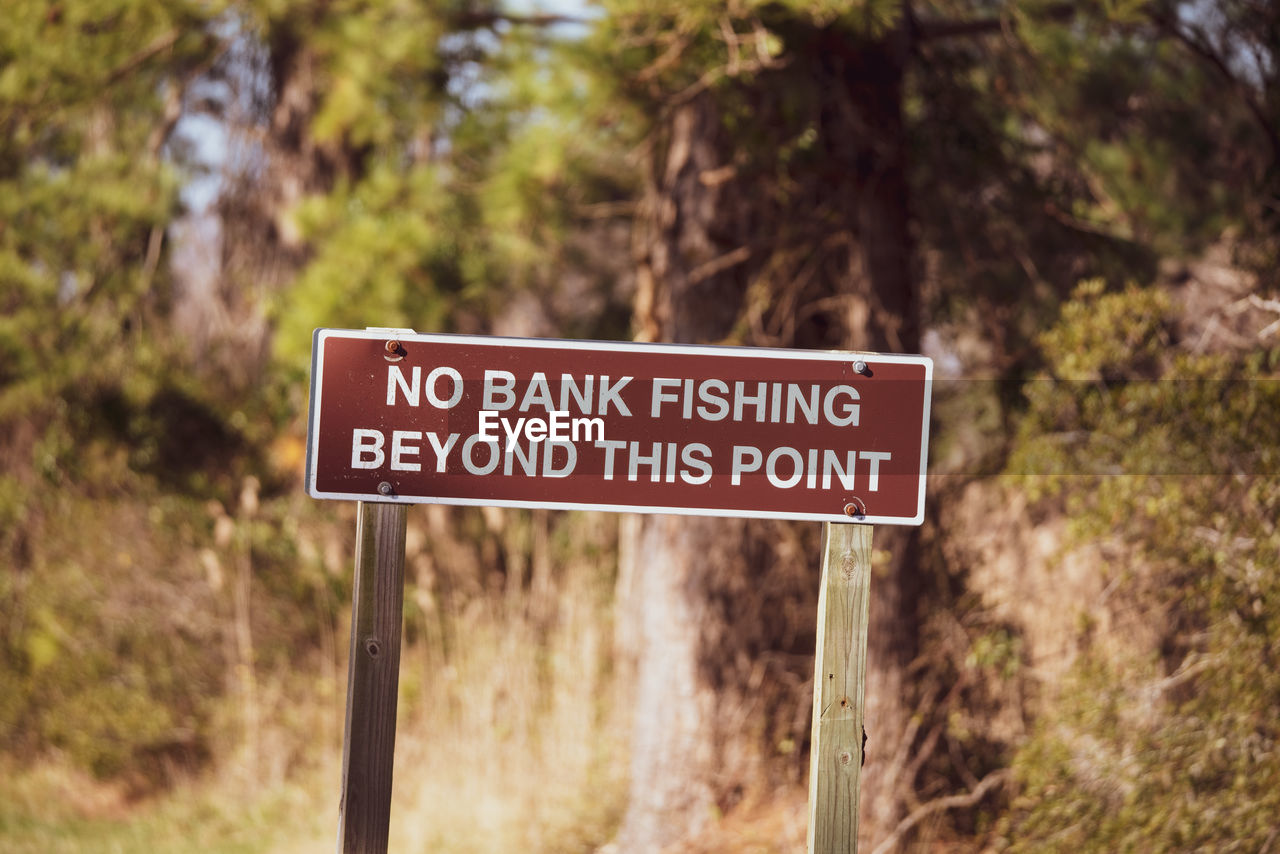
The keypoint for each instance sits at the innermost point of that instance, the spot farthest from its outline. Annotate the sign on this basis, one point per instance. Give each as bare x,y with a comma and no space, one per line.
721,431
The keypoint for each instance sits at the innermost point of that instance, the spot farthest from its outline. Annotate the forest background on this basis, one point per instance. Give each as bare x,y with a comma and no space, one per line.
1074,208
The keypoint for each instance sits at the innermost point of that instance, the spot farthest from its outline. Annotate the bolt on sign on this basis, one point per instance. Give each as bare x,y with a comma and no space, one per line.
722,431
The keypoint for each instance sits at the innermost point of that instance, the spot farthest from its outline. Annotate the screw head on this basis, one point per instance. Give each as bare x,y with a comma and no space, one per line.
385,488
860,367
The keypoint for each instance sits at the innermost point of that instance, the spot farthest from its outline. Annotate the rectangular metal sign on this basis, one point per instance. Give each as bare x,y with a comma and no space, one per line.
650,428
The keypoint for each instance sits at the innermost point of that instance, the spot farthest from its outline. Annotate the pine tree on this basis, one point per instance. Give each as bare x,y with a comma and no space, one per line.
376,171
839,174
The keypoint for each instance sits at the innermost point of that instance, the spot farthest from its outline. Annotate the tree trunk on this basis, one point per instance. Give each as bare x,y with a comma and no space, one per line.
720,613
880,209
241,253
673,763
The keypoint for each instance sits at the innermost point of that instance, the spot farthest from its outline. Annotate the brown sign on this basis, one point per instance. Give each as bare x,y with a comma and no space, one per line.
722,431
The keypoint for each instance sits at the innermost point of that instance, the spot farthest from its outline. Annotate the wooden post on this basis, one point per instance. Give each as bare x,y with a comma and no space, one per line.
839,686
373,676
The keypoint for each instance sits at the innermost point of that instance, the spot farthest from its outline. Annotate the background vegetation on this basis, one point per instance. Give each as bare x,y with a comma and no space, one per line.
1074,208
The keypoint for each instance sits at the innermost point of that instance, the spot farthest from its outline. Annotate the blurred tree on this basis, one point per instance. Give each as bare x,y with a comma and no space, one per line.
1172,747
831,175
810,172
401,165
90,400
382,163
88,95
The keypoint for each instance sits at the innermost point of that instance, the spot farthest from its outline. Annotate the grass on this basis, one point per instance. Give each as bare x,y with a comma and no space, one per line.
55,810
511,736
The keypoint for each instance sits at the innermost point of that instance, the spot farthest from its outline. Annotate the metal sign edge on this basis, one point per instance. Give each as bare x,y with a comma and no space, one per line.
924,437
313,413
621,508
632,346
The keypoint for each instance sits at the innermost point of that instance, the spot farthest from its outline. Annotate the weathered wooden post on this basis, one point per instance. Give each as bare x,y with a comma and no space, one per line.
373,678
839,686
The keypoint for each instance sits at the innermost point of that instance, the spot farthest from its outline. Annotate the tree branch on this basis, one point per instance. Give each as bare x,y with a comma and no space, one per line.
1207,54
925,31
969,799
489,20
176,95
158,45
934,30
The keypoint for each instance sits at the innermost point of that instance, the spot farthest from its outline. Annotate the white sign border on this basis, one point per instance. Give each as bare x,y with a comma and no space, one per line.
313,417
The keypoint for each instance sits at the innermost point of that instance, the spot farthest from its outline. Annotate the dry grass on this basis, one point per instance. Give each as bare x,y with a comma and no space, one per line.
510,737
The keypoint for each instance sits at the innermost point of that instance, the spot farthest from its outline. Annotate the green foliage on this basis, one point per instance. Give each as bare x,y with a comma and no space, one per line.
999,650
54,810
84,196
442,167
656,49
389,240
473,153
87,669
1176,459
1157,116
92,401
